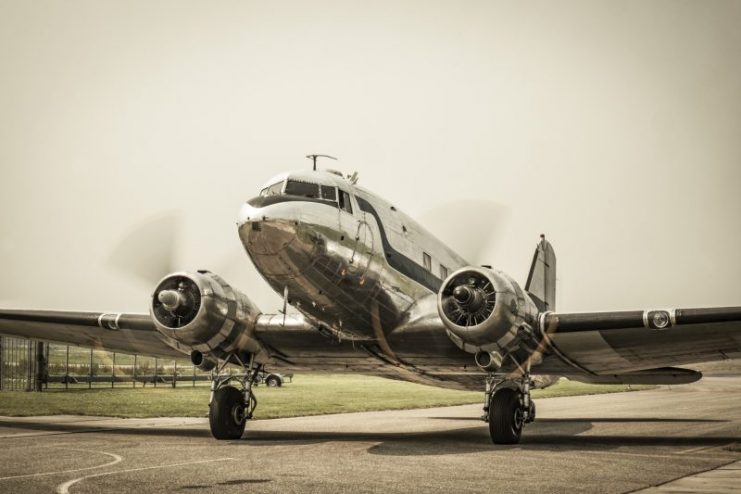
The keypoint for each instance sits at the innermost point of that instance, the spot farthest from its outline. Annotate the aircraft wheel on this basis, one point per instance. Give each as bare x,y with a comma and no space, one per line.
273,381
226,414
505,417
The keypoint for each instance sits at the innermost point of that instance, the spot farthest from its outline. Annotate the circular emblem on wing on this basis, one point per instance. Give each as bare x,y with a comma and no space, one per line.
659,319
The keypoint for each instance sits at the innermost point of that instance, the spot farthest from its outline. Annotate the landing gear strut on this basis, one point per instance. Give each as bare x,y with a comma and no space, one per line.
508,407
230,407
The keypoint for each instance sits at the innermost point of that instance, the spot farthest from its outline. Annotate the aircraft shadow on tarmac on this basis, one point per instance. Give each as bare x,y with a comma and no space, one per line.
596,419
72,428
562,434
545,434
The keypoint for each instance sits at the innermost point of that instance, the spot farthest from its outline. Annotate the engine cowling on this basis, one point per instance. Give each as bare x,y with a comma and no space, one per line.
201,311
483,309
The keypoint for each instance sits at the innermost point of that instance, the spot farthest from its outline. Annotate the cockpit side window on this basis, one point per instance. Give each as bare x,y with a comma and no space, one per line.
329,193
273,190
303,189
345,202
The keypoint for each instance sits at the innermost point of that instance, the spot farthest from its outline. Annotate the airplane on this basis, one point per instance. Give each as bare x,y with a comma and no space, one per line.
375,293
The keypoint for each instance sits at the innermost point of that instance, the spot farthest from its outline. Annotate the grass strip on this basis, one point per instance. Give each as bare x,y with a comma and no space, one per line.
309,394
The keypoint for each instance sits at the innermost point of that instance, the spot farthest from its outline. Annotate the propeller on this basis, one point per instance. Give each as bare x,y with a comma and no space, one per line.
147,252
177,301
471,227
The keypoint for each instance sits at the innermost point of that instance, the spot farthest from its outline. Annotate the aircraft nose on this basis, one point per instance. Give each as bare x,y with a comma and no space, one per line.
267,230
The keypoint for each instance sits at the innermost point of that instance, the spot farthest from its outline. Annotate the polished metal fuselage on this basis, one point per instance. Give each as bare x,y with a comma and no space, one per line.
358,277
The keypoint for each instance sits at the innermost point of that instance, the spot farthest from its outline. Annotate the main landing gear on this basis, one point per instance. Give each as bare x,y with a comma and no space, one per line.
507,408
230,407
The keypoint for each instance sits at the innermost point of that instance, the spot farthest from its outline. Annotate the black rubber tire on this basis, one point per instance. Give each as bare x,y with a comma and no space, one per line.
504,425
273,381
222,411
531,418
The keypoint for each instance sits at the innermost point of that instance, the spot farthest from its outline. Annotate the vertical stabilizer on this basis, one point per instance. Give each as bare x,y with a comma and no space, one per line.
541,282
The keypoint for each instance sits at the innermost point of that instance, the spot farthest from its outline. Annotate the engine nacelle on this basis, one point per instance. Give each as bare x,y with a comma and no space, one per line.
201,311
484,310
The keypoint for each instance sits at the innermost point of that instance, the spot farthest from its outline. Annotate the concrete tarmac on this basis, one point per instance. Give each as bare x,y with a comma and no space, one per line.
604,443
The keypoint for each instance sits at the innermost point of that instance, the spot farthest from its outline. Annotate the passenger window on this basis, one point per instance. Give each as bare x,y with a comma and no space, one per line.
443,272
303,189
329,193
345,201
427,260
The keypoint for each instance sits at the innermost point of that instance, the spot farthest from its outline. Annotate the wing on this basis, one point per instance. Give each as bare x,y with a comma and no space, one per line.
292,342
624,342
131,333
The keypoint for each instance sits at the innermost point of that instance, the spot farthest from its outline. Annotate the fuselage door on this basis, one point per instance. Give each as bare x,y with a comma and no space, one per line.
357,235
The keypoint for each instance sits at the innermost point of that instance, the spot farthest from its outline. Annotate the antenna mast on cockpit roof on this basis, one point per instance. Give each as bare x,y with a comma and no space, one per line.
315,156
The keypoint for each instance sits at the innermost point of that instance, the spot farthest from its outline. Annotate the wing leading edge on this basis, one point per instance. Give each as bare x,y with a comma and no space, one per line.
132,333
629,341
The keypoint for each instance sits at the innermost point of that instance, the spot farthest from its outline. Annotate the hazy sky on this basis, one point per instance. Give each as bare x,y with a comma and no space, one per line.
612,127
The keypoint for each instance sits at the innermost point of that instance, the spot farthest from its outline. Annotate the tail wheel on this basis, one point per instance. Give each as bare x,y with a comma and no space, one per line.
227,413
505,417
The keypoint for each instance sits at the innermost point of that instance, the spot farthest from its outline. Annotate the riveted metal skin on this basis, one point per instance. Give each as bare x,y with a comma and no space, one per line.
363,280
224,322
512,310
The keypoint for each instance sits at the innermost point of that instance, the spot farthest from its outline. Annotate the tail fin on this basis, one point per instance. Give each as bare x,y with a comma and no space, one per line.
541,282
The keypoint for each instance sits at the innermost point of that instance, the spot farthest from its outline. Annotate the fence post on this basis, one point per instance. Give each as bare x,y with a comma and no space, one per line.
174,373
47,346
42,367
2,363
66,370
133,374
156,361
30,365
17,368
113,370
90,377
194,375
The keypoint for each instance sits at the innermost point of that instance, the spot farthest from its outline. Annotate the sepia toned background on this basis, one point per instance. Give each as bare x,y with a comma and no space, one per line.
129,130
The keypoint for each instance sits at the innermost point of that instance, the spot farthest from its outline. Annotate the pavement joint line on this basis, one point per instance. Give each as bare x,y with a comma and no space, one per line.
36,418
644,455
116,459
691,474
54,433
704,448
64,487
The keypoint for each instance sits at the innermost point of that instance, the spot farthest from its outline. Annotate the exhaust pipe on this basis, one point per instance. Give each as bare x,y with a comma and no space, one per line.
203,362
488,361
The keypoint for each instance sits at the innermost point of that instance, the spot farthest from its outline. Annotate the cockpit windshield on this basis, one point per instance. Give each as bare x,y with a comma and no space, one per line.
311,190
273,190
301,189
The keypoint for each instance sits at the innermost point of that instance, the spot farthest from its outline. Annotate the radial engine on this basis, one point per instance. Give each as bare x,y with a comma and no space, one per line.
206,316
486,313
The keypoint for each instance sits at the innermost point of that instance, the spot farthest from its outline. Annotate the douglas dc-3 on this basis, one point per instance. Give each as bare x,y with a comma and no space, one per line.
375,293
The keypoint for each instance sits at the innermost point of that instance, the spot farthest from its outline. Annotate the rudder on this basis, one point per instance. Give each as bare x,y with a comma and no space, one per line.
541,281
